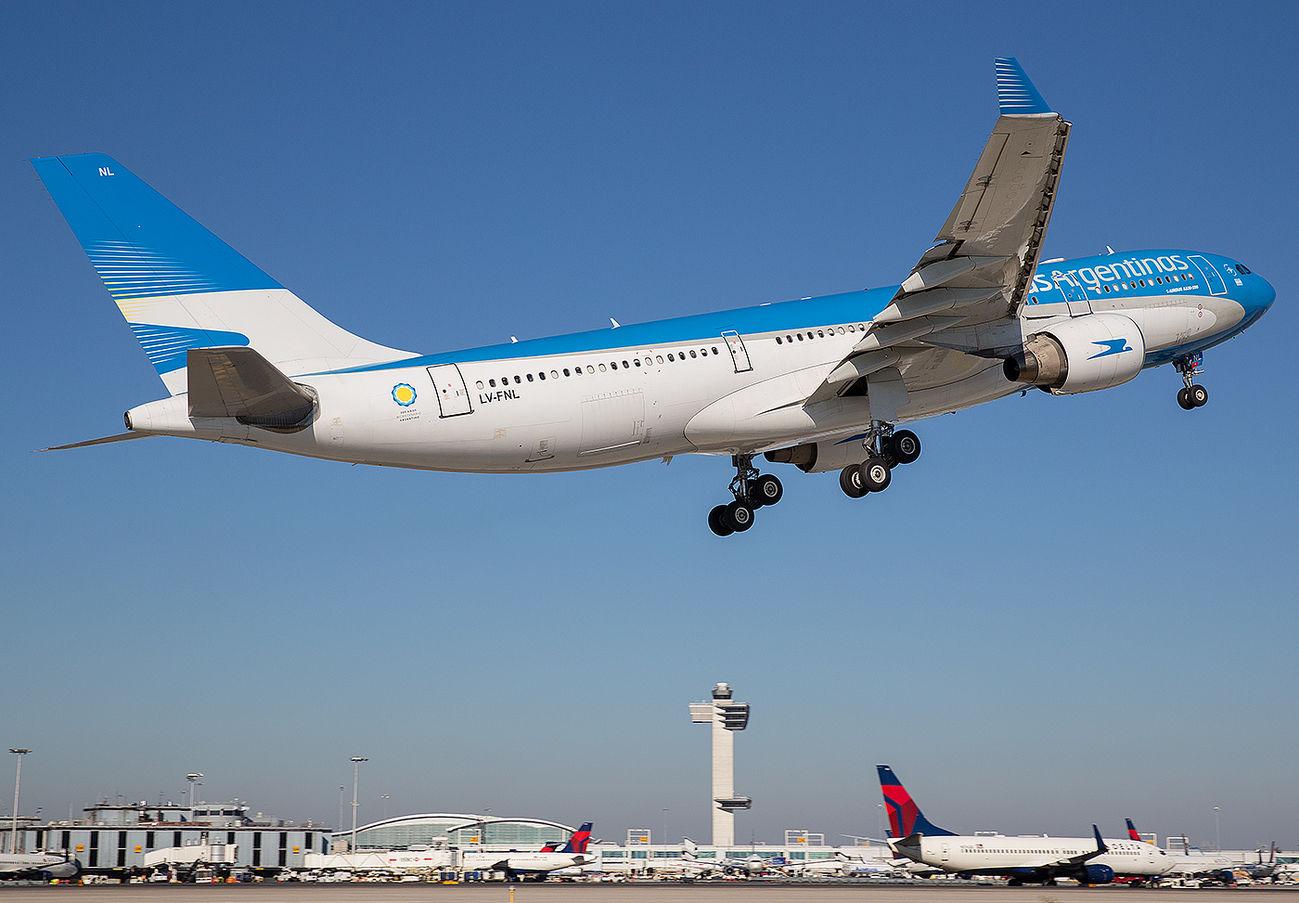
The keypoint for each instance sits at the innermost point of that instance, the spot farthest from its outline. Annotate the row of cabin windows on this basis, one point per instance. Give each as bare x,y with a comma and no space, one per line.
819,333
627,364
1138,283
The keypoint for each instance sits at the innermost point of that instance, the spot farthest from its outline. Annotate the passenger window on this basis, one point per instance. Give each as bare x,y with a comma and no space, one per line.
602,368
778,340
820,333
714,349
480,383
516,379
840,330
566,371
800,336
636,361
660,358
671,358
626,366
542,375
554,374
850,329
790,339
529,377
492,383
613,364
590,368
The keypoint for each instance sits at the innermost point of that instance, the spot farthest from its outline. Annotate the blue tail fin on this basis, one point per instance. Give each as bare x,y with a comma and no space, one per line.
905,817
181,287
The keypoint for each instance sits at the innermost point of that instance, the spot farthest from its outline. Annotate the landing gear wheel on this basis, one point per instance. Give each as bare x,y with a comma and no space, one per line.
875,474
905,446
718,523
1198,396
850,482
766,490
739,516
1182,401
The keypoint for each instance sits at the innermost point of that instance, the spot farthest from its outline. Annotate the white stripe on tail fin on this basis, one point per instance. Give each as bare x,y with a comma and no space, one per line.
180,287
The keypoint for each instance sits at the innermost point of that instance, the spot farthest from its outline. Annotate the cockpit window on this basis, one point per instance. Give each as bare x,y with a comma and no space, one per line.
1243,270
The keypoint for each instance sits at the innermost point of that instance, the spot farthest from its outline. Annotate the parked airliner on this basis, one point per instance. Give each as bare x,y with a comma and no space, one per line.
538,863
819,383
1088,860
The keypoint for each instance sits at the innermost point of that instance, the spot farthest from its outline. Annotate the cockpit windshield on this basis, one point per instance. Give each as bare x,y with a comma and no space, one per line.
1242,269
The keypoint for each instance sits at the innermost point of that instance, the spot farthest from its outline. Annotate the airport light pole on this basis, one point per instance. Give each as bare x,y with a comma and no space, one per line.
342,789
1217,826
356,783
19,752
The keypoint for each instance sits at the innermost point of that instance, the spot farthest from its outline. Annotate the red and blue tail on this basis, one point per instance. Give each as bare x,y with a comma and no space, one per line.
580,840
1132,830
905,817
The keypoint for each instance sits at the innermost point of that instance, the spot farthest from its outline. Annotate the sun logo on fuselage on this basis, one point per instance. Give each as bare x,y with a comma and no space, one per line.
403,394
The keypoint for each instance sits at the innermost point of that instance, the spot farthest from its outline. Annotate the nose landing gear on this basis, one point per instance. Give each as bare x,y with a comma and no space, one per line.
752,490
886,449
1191,395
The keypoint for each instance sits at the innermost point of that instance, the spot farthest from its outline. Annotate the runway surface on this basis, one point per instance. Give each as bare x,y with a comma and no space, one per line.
636,893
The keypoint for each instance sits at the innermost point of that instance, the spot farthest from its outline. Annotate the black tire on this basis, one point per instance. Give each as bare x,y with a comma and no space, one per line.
905,446
1198,396
1182,401
850,482
767,490
739,516
718,523
875,474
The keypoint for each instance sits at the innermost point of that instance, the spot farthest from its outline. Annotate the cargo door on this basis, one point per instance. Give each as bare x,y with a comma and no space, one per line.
449,387
612,420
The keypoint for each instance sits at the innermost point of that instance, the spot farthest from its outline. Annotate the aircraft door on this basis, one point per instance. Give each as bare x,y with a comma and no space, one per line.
1212,278
739,354
944,851
449,387
1075,293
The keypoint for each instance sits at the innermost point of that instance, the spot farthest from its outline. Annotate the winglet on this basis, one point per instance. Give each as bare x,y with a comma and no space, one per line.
1101,848
1016,94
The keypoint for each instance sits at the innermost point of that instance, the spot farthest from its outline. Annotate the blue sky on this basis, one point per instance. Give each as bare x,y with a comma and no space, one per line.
1071,610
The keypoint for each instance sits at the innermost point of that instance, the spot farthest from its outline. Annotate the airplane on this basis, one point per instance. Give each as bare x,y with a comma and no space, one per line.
1038,859
818,383
838,865
38,866
537,864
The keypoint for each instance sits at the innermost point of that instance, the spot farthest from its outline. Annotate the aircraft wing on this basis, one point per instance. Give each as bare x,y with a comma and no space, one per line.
1101,850
981,267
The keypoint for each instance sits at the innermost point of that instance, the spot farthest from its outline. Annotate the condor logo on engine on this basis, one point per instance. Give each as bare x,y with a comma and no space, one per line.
1111,346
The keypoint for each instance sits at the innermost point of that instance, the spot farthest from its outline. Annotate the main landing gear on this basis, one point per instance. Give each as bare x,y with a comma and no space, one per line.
752,490
886,449
1191,395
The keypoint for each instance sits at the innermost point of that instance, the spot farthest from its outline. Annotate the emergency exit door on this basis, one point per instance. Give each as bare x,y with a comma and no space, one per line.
739,354
449,386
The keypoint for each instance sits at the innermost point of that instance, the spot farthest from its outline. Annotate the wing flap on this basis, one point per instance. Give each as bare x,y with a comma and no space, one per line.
104,440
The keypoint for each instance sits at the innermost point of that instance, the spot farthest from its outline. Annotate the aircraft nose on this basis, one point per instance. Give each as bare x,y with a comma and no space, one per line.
1266,294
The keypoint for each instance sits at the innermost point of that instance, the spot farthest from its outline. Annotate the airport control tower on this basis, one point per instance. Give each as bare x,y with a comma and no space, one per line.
725,716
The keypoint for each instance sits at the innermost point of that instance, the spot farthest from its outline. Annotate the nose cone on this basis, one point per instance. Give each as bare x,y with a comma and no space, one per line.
1261,296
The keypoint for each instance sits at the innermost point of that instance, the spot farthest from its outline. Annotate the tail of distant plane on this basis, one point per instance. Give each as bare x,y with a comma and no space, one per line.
579,841
905,817
179,286
1132,830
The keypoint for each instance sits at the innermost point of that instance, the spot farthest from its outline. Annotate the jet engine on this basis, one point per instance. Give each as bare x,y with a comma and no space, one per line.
818,457
1093,352
1096,873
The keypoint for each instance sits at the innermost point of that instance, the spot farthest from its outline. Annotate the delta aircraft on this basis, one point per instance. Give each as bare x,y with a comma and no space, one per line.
818,383
37,866
538,864
1088,860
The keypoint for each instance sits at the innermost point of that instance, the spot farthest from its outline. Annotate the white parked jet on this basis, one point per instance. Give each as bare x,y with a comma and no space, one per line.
536,863
819,383
1088,860
37,866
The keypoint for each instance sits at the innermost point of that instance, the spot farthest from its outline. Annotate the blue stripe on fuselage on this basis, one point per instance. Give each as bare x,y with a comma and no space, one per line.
848,307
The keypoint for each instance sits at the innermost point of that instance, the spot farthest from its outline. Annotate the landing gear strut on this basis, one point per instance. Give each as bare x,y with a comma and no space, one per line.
752,490
885,449
1191,396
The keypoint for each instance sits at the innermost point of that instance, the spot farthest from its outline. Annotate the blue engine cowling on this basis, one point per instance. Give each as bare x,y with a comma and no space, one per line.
1095,873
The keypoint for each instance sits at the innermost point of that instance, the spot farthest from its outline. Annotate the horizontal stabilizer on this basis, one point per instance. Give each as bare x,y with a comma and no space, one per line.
104,440
240,383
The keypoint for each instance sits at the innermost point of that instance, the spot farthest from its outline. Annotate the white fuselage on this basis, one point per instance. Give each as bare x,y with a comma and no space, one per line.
532,411
522,862
1000,855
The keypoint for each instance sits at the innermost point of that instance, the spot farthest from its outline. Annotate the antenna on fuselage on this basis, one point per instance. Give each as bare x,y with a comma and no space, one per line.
1109,250
514,340
615,323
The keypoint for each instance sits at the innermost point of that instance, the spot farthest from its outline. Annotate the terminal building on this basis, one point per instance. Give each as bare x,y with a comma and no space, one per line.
451,830
121,839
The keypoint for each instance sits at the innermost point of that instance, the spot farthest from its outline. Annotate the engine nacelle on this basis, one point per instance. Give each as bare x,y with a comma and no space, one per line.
1097,351
1096,873
818,457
